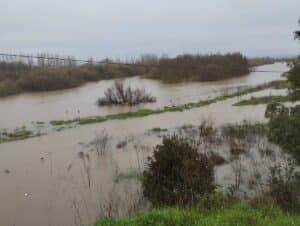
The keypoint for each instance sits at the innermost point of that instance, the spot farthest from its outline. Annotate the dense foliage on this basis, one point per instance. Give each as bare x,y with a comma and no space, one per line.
284,127
284,185
177,174
294,80
201,67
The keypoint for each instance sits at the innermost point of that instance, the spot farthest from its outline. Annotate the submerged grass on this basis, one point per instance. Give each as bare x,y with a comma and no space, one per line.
131,175
237,215
266,100
21,134
179,108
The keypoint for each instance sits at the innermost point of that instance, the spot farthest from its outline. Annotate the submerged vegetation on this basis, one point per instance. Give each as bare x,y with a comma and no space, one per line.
170,175
179,108
18,134
267,100
120,95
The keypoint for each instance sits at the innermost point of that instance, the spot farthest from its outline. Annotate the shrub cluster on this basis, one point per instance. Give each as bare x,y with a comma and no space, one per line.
201,67
284,127
119,95
177,174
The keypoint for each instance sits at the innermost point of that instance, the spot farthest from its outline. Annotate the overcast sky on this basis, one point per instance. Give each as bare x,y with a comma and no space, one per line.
123,28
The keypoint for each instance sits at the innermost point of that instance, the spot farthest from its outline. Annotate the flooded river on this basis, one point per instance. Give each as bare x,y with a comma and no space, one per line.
58,179
68,104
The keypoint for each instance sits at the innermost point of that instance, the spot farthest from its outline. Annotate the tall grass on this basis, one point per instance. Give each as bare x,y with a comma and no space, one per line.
237,215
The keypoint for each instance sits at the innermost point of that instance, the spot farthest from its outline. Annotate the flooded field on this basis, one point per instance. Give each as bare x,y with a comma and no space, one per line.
81,102
61,179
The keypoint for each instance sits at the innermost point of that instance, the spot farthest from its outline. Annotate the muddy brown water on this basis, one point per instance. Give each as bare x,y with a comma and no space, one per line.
43,180
68,104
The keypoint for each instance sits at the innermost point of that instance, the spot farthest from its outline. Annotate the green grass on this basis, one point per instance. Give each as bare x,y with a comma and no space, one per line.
266,100
237,215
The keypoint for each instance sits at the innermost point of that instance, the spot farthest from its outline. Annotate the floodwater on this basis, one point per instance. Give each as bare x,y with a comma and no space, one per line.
58,179
81,102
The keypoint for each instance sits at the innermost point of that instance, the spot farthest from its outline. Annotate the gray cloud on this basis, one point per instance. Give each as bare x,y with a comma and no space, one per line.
119,28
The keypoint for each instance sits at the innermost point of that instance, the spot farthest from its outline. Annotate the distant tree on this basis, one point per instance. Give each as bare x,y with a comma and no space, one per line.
297,33
294,73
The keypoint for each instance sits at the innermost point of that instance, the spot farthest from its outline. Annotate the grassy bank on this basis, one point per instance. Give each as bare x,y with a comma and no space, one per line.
20,77
17,78
238,215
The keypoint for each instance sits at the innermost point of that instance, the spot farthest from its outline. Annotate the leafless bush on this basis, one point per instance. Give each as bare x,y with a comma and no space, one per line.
119,95
237,168
116,204
101,142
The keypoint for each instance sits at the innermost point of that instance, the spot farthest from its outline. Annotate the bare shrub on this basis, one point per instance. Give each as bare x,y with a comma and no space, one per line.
119,95
101,142
237,168
86,162
115,204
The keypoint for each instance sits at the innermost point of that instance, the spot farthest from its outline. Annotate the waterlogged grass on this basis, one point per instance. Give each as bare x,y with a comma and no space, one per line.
131,175
139,113
179,108
237,215
18,134
267,100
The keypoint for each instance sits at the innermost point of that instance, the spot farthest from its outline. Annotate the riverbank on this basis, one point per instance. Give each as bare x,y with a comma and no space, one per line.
240,214
16,78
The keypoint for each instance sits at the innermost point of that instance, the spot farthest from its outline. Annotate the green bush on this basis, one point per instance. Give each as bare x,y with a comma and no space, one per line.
177,174
294,80
284,128
284,183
